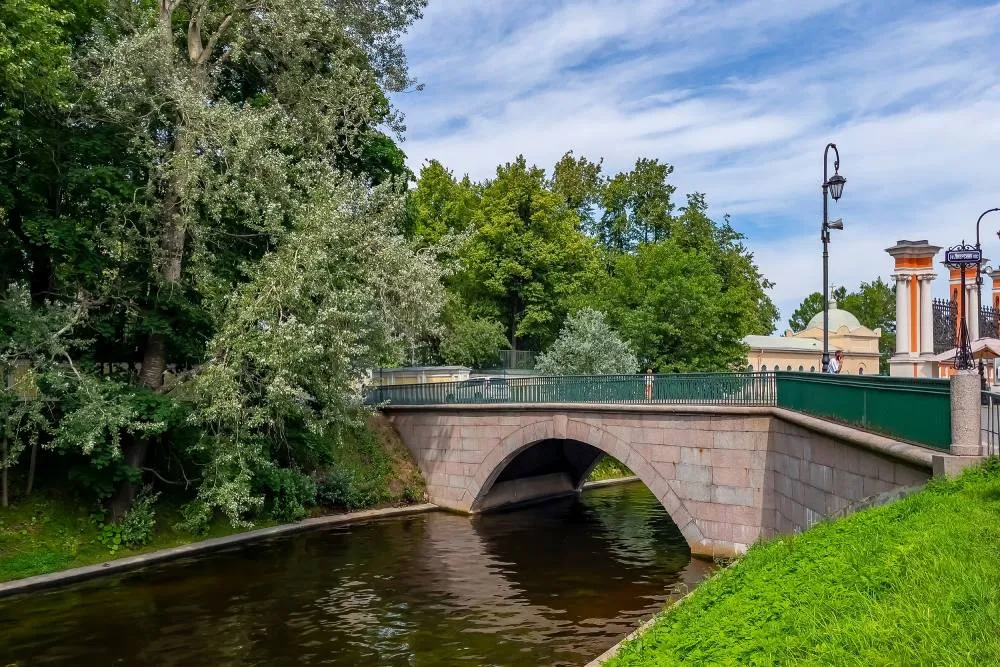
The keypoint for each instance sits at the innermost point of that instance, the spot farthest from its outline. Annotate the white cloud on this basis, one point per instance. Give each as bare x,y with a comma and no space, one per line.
741,97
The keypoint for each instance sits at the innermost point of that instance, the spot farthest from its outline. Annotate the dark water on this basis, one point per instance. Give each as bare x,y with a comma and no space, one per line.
555,584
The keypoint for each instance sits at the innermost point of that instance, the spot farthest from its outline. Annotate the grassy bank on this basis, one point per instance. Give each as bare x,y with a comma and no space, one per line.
609,468
916,582
52,530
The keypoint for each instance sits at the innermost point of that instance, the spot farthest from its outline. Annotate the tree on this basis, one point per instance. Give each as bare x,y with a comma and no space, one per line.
524,260
581,185
470,341
874,304
675,311
587,346
440,204
637,207
203,140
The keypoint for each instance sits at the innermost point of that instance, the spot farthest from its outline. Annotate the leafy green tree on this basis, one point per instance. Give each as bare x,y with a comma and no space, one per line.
440,204
204,140
637,207
675,310
587,346
470,341
581,184
525,259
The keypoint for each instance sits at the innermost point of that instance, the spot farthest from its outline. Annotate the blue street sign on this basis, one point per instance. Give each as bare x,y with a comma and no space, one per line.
963,257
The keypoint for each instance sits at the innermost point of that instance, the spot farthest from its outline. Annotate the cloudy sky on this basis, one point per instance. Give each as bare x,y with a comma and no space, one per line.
741,97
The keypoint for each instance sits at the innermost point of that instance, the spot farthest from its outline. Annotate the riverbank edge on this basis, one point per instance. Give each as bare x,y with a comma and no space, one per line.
128,563
643,627
610,482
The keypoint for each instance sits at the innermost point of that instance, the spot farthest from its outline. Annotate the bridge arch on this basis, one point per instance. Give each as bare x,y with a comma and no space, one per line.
560,427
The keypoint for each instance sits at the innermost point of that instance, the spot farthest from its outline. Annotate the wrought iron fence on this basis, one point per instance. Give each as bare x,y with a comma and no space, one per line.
945,325
671,388
911,409
990,423
988,322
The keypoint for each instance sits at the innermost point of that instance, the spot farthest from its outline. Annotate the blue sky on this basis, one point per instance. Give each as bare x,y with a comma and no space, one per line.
741,97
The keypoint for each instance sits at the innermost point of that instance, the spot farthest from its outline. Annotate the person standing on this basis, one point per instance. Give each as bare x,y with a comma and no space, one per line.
837,362
649,384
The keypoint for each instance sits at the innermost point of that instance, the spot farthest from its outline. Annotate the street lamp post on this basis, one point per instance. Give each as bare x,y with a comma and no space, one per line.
979,282
834,187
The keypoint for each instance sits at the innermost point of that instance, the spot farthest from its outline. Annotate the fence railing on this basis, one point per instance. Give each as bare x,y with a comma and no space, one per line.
908,409
990,423
911,409
670,388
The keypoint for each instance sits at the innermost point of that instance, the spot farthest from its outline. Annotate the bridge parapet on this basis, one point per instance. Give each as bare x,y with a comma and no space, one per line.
908,409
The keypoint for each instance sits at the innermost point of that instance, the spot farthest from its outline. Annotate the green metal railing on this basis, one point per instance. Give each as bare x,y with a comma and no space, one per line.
676,388
910,409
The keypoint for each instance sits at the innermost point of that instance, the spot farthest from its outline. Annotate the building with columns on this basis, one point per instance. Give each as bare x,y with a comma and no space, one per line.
914,276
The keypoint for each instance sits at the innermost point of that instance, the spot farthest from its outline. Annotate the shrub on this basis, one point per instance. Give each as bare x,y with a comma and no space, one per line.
288,493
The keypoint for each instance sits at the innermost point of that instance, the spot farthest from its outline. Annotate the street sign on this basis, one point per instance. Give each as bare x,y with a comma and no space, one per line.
963,256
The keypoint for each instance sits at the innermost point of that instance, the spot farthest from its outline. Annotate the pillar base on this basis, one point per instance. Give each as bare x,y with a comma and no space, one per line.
966,414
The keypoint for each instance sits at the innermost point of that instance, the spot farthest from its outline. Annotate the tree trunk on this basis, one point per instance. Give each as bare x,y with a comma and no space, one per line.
31,469
3,483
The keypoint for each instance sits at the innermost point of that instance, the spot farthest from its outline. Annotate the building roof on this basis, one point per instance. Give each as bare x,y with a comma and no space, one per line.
787,343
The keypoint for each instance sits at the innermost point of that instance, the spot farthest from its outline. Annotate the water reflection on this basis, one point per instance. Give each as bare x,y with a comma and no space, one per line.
554,584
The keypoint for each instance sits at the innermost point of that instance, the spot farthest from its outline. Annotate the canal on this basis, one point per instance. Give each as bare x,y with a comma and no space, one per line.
553,584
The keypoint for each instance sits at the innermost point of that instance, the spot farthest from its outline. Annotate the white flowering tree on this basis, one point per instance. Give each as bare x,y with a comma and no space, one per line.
587,346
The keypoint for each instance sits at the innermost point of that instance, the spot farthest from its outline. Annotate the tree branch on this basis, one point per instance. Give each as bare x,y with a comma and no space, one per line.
207,51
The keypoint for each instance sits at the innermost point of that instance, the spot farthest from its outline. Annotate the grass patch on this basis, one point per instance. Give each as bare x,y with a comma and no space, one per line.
51,530
609,468
916,582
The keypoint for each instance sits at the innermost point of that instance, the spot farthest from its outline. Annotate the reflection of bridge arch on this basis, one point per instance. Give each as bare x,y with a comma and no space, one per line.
560,428
727,475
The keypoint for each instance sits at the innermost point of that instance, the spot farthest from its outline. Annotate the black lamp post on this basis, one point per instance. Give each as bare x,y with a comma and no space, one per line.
834,186
979,283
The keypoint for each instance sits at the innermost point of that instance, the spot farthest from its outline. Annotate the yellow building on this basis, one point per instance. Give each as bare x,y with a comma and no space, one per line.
803,350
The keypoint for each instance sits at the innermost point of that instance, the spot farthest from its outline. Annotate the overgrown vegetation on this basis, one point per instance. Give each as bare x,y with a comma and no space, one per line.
56,528
910,583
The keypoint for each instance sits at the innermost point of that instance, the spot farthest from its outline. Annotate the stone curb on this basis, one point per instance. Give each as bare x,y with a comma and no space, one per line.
128,563
610,482
646,625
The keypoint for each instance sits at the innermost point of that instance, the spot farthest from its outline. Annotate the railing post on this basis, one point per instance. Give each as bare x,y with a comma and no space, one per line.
966,414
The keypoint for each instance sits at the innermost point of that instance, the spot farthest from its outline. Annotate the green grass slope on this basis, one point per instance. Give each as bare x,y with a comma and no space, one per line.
916,582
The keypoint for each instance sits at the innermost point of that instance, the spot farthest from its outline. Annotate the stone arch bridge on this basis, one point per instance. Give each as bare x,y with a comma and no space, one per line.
727,475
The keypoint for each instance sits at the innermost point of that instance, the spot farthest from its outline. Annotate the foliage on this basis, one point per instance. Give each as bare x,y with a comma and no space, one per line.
176,170
136,527
587,346
609,468
811,306
289,494
637,207
470,341
439,205
903,584
525,259
581,185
